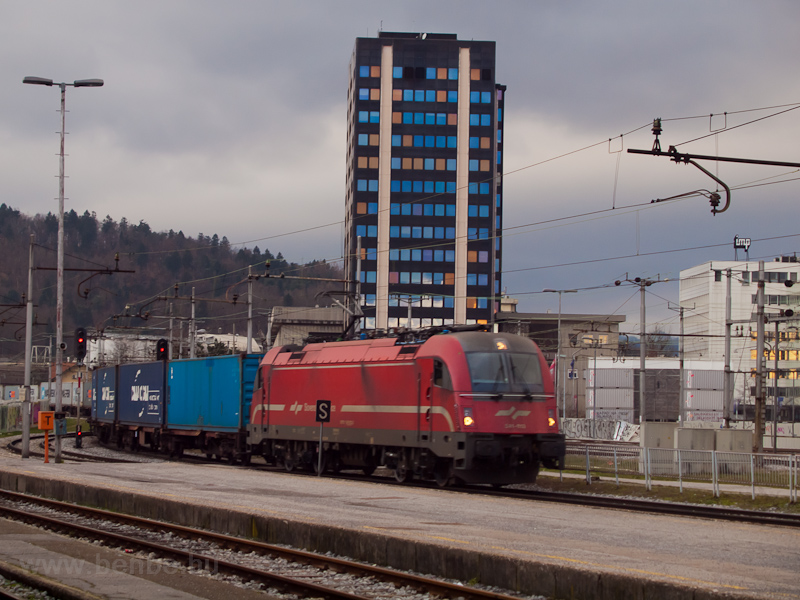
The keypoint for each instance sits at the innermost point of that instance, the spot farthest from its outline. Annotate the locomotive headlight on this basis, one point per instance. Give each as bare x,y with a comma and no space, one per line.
551,419
468,420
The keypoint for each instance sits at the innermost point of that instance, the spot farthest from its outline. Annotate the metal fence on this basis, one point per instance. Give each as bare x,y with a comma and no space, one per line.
704,466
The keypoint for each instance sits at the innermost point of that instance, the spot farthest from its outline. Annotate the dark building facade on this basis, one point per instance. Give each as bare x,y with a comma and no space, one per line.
424,198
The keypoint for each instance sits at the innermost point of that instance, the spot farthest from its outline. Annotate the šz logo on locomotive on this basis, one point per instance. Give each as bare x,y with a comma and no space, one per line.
511,413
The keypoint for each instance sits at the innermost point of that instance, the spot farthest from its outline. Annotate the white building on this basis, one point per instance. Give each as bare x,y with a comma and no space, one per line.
702,296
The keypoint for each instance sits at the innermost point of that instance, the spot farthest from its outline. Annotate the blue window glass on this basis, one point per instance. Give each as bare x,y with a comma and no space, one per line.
451,164
448,302
415,277
416,232
430,118
363,71
416,186
406,208
396,162
419,141
441,118
441,141
499,115
394,207
499,157
473,189
472,279
499,136
483,279
483,233
419,95
374,116
405,231
416,255
451,186
486,120
439,210
498,201
372,208
363,116
438,233
417,210
408,118
369,299
496,287
452,73
430,73
394,254
449,256
473,164
484,188
452,96
408,95
438,278
429,141
450,233
427,232
428,189
474,142
427,255
363,139
474,120
373,185
372,231
397,140
482,303
419,118
363,93
472,211
430,95
361,230
472,233
406,188
439,187
405,254
427,278
438,255
397,72
497,222
394,231
404,277
452,141
362,277
361,185
429,164
451,210
484,211
486,97
474,97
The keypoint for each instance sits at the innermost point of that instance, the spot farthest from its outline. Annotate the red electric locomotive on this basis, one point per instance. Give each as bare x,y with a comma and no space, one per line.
467,406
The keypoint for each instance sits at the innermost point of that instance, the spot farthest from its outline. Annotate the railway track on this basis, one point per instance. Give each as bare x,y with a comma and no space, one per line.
37,450
289,571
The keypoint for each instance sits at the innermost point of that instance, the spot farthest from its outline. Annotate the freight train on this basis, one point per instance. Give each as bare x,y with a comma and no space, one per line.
448,406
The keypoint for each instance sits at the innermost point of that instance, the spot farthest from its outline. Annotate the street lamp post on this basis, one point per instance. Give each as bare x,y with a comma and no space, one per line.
559,387
60,346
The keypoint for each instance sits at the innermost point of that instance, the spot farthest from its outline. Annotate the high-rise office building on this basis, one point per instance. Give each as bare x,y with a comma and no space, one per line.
424,180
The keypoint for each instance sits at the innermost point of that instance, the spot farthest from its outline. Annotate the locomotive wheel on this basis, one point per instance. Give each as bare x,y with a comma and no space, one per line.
443,475
289,462
403,475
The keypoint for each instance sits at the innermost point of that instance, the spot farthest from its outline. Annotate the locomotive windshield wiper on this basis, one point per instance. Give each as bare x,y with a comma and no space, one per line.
498,396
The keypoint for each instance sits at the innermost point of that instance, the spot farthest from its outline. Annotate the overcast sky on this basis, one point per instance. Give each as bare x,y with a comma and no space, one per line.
229,118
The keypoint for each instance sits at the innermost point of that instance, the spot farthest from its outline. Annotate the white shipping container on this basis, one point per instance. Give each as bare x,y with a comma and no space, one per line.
615,378
704,380
614,398
700,400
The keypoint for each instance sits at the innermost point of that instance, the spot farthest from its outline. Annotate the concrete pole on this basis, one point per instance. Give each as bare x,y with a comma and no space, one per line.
758,434
727,388
249,309
192,332
60,275
642,354
682,389
775,387
26,400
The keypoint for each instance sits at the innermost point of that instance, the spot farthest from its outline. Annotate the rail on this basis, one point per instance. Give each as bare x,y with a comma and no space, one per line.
779,471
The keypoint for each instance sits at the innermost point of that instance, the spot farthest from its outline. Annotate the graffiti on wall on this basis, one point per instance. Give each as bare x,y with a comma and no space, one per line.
618,431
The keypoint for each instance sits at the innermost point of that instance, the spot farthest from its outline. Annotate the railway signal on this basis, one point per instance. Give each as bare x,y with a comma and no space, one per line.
162,349
80,343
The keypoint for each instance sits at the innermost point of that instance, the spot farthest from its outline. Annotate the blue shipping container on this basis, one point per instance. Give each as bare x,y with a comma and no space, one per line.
140,394
104,398
211,394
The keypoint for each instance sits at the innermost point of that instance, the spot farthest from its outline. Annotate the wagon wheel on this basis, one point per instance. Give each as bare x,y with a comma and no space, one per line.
403,475
289,462
443,474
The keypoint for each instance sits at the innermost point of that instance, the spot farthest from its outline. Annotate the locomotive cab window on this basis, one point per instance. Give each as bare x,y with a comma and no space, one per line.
258,384
505,372
441,376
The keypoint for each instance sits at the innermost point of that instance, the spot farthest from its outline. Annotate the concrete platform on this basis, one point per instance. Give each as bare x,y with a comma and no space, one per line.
537,548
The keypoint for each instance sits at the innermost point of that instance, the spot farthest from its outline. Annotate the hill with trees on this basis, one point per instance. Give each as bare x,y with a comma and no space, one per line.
163,264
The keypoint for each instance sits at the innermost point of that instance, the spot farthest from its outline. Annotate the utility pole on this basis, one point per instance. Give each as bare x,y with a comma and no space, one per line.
727,388
760,416
192,332
681,352
26,400
249,309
